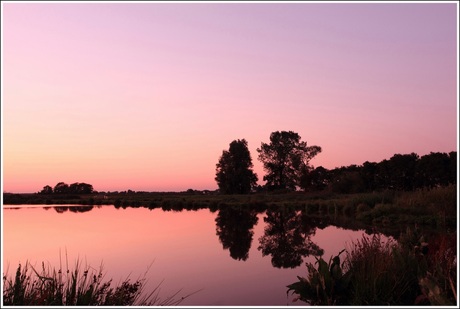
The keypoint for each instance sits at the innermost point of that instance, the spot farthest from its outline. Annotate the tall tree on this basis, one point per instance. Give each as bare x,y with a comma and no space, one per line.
234,174
286,159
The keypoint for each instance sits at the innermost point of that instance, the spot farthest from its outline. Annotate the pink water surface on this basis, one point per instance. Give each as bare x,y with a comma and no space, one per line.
182,248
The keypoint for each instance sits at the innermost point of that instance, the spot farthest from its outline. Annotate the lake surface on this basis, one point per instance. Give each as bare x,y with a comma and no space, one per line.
234,257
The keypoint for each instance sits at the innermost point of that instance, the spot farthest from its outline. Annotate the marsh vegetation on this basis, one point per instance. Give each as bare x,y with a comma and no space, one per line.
436,207
374,272
78,287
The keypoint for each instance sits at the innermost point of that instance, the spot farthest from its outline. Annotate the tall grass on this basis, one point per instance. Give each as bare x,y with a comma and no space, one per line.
375,273
48,287
381,273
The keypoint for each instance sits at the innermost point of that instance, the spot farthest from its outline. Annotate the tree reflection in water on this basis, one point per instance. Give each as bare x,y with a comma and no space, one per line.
62,209
234,227
287,238
287,233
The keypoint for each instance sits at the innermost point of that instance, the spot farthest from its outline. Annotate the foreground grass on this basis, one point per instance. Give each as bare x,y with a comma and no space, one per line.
29,287
410,272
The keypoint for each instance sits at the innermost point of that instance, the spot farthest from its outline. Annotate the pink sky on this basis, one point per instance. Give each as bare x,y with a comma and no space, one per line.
145,96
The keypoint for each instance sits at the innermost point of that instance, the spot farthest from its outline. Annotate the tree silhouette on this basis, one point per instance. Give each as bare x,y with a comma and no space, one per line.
402,169
286,239
347,180
234,174
434,169
80,188
368,174
46,190
285,159
401,172
316,179
453,167
61,187
234,228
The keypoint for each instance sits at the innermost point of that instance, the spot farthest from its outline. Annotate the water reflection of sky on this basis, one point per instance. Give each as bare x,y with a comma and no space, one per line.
184,247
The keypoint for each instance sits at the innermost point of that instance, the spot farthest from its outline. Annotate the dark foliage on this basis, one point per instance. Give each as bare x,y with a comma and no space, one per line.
63,188
234,227
406,172
286,158
234,174
286,239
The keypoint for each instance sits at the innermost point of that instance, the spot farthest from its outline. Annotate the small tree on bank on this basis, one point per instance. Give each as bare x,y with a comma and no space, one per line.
234,174
46,190
61,187
286,159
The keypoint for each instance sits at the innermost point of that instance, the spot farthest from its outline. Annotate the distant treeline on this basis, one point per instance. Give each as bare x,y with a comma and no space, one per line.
63,188
405,172
401,172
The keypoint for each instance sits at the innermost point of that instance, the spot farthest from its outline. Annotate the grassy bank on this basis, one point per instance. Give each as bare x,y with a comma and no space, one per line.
436,207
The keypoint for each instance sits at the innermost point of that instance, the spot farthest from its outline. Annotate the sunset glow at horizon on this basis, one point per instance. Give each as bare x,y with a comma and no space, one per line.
146,96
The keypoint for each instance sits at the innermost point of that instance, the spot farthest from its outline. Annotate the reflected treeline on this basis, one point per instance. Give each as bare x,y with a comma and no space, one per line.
288,232
287,239
62,209
234,226
316,218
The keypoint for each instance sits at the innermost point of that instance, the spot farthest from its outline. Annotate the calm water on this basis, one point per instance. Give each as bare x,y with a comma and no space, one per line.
234,257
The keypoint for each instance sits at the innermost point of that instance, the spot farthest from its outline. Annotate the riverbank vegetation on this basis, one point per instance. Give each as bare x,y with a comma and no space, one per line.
436,207
48,287
373,272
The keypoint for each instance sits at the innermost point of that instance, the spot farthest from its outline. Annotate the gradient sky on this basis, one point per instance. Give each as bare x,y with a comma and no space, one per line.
146,96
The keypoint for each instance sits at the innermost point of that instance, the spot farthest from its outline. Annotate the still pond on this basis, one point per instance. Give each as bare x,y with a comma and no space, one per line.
229,258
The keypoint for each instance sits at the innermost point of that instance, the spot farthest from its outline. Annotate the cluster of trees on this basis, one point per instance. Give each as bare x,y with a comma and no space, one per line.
286,162
285,159
63,188
405,172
